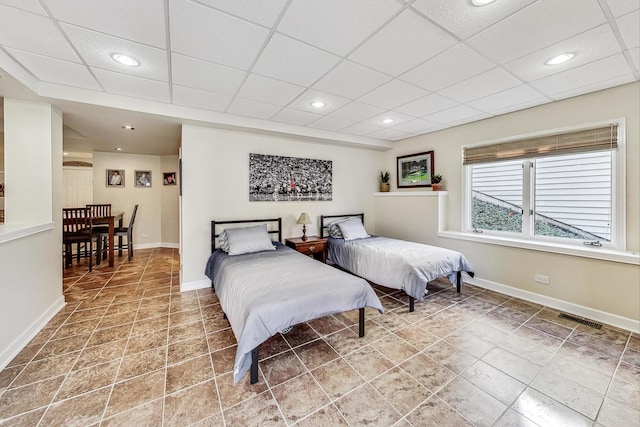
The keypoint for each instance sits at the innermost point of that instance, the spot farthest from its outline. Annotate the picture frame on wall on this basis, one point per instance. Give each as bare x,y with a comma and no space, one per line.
415,170
115,178
143,178
169,178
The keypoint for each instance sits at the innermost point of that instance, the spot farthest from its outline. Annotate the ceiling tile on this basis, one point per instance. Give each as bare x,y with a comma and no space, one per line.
56,70
336,25
393,94
194,98
136,87
331,123
271,91
392,134
621,7
492,81
361,129
142,22
332,102
199,74
582,79
351,80
448,68
463,19
247,107
203,33
32,33
404,43
511,97
258,11
357,111
304,64
296,117
635,57
460,112
96,49
630,28
28,5
542,24
426,105
589,46
416,126
397,119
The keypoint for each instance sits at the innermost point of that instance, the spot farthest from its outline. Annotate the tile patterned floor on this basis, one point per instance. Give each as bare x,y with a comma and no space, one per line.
130,349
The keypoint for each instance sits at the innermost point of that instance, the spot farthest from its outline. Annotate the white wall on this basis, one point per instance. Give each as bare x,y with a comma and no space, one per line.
169,205
215,169
602,286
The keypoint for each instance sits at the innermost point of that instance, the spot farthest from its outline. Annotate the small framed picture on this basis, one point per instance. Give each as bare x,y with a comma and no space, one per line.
115,177
415,170
143,178
169,178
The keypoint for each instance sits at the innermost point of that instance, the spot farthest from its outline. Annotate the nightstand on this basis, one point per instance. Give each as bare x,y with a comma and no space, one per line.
314,246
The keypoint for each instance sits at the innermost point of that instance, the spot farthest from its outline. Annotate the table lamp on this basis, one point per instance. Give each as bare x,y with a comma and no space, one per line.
304,220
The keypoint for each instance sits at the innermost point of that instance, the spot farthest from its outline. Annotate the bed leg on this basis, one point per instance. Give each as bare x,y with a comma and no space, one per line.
361,323
254,365
224,315
412,303
459,281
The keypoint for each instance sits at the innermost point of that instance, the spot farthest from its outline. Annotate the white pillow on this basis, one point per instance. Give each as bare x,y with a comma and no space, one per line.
248,240
353,229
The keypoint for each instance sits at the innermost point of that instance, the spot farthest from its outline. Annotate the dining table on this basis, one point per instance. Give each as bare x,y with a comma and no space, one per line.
110,220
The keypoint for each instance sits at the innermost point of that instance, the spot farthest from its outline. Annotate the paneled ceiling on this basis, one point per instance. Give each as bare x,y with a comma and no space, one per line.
384,69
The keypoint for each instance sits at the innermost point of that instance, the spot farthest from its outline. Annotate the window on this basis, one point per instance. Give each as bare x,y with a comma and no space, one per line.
559,188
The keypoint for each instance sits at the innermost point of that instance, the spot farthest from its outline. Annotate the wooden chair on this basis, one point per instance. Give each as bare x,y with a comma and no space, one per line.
99,211
120,232
76,227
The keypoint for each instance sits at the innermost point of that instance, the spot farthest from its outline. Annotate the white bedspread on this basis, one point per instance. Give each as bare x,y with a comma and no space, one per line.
397,264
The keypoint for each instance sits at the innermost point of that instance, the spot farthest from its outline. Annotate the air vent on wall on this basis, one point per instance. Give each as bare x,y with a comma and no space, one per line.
581,321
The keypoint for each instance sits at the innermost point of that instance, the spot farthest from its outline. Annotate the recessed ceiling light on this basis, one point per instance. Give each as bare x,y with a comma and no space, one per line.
318,104
481,2
127,60
560,59
127,127
118,149
388,120
65,154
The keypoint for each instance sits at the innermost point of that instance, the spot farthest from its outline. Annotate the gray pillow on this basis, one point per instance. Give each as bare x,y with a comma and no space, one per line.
353,229
223,241
334,230
248,240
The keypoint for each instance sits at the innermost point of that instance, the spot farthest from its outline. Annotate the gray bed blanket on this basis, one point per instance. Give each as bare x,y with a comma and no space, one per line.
264,292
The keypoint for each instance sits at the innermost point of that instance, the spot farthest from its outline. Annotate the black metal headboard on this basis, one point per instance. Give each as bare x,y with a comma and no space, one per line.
324,221
218,227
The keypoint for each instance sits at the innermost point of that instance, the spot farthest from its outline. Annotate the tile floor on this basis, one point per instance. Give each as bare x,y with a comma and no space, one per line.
130,349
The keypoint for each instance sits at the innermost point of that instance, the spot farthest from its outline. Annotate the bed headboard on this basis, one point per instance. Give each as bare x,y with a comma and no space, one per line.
326,219
274,226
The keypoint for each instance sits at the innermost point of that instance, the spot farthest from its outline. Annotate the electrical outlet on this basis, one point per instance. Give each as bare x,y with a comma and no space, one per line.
540,278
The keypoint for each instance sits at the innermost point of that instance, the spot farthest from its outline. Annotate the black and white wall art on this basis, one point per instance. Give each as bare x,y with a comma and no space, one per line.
278,178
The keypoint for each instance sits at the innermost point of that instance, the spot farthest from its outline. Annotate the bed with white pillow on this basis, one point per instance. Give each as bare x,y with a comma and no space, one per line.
393,263
265,287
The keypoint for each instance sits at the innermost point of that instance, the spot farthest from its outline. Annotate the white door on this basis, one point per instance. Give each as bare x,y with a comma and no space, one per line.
78,186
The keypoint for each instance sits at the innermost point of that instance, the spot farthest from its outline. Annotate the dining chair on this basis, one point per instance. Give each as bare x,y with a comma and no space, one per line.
99,210
120,232
76,228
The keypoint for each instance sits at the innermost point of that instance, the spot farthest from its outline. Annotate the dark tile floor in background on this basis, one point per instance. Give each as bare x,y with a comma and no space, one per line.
130,349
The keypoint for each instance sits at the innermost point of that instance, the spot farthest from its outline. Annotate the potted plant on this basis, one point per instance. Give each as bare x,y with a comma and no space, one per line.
435,182
385,177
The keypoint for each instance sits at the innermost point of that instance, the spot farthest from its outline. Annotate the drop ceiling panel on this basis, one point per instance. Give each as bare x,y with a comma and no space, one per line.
351,80
448,68
331,123
32,33
249,108
393,94
391,134
271,91
630,28
204,33
361,129
404,43
96,49
140,20
515,96
336,25
28,5
304,64
397,119
485,84
194,98
296,117
332,102
258,11
136,87
464,19
203,75
416,126
635,57
455,114
357,111
542,24
426,105
622,7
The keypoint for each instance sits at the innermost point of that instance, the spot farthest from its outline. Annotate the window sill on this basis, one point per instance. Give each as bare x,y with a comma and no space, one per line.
9,232
411,194
586,252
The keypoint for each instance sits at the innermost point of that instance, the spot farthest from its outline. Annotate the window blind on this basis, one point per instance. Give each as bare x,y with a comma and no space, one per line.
602,138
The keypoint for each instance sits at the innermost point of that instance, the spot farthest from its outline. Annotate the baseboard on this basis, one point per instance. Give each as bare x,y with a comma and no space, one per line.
155,245
197,284
170,245
19,343
568,307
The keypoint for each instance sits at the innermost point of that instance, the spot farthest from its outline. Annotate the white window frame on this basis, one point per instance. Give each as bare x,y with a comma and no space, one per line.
551,244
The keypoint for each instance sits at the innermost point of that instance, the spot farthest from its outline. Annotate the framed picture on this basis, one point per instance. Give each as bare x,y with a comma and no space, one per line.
169,178
143,178
115,177
415,170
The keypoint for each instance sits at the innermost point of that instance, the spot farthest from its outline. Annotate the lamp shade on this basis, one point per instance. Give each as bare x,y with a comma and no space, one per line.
304,219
